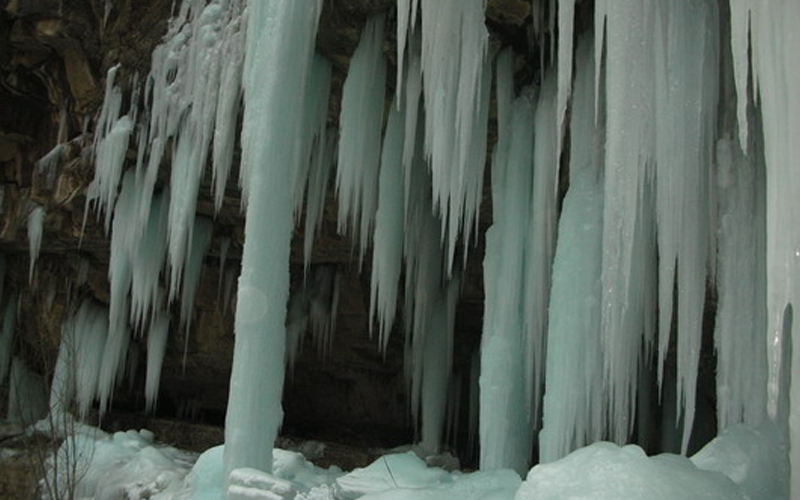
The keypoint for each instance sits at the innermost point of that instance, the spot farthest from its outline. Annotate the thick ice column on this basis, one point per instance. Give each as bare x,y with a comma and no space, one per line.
776,77
628,80
572,413
505,433
540,241
280,38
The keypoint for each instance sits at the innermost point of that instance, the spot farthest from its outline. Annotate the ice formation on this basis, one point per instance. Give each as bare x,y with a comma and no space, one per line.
35,228
674,194
279,35
358,164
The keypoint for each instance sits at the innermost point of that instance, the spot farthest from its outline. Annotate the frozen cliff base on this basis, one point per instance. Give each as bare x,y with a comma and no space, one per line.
743,463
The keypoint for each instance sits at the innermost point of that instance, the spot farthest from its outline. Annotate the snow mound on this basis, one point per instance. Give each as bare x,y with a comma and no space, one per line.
604,471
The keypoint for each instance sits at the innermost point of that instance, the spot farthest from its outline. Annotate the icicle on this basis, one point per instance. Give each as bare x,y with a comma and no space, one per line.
35,229
110,146
573,406
279,49
455,65
147,257
437,361
504,424
741,319
201,239
629,83
686,103
776,78
156,348
231,54
312,131
323,307
540,244
387,253
321,166
89,329
7,337
360,140
566,23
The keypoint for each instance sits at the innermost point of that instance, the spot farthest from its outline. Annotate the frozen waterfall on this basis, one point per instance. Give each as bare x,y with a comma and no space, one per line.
644,197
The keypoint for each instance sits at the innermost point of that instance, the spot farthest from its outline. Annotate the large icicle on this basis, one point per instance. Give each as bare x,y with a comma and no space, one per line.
387,253
193,96
280,40
566,28
741,313
455,71
156,348
360,124
90,329
686,103
437,363
572,413
505,433
540,242
776,77
628,141
110,146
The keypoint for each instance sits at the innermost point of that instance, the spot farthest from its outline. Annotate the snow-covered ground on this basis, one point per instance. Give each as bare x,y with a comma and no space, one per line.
741,464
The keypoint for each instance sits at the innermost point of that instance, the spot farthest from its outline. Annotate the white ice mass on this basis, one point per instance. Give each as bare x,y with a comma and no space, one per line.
647,177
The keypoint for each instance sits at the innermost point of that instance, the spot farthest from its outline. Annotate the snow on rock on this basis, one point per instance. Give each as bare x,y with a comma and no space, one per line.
605,471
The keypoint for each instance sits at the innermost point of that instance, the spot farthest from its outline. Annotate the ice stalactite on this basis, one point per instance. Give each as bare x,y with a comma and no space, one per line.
437,364
110,145
35,229
312,137
192,95
540,241
741,314
90,329
387,253
774,43
566,30
317,194
280,34
360,125
628,95
313,308
505,431
193,267
573,404
156,348
686,58
147,258
455,69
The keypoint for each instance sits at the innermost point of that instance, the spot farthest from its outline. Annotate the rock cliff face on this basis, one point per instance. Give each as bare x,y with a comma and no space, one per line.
54,56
